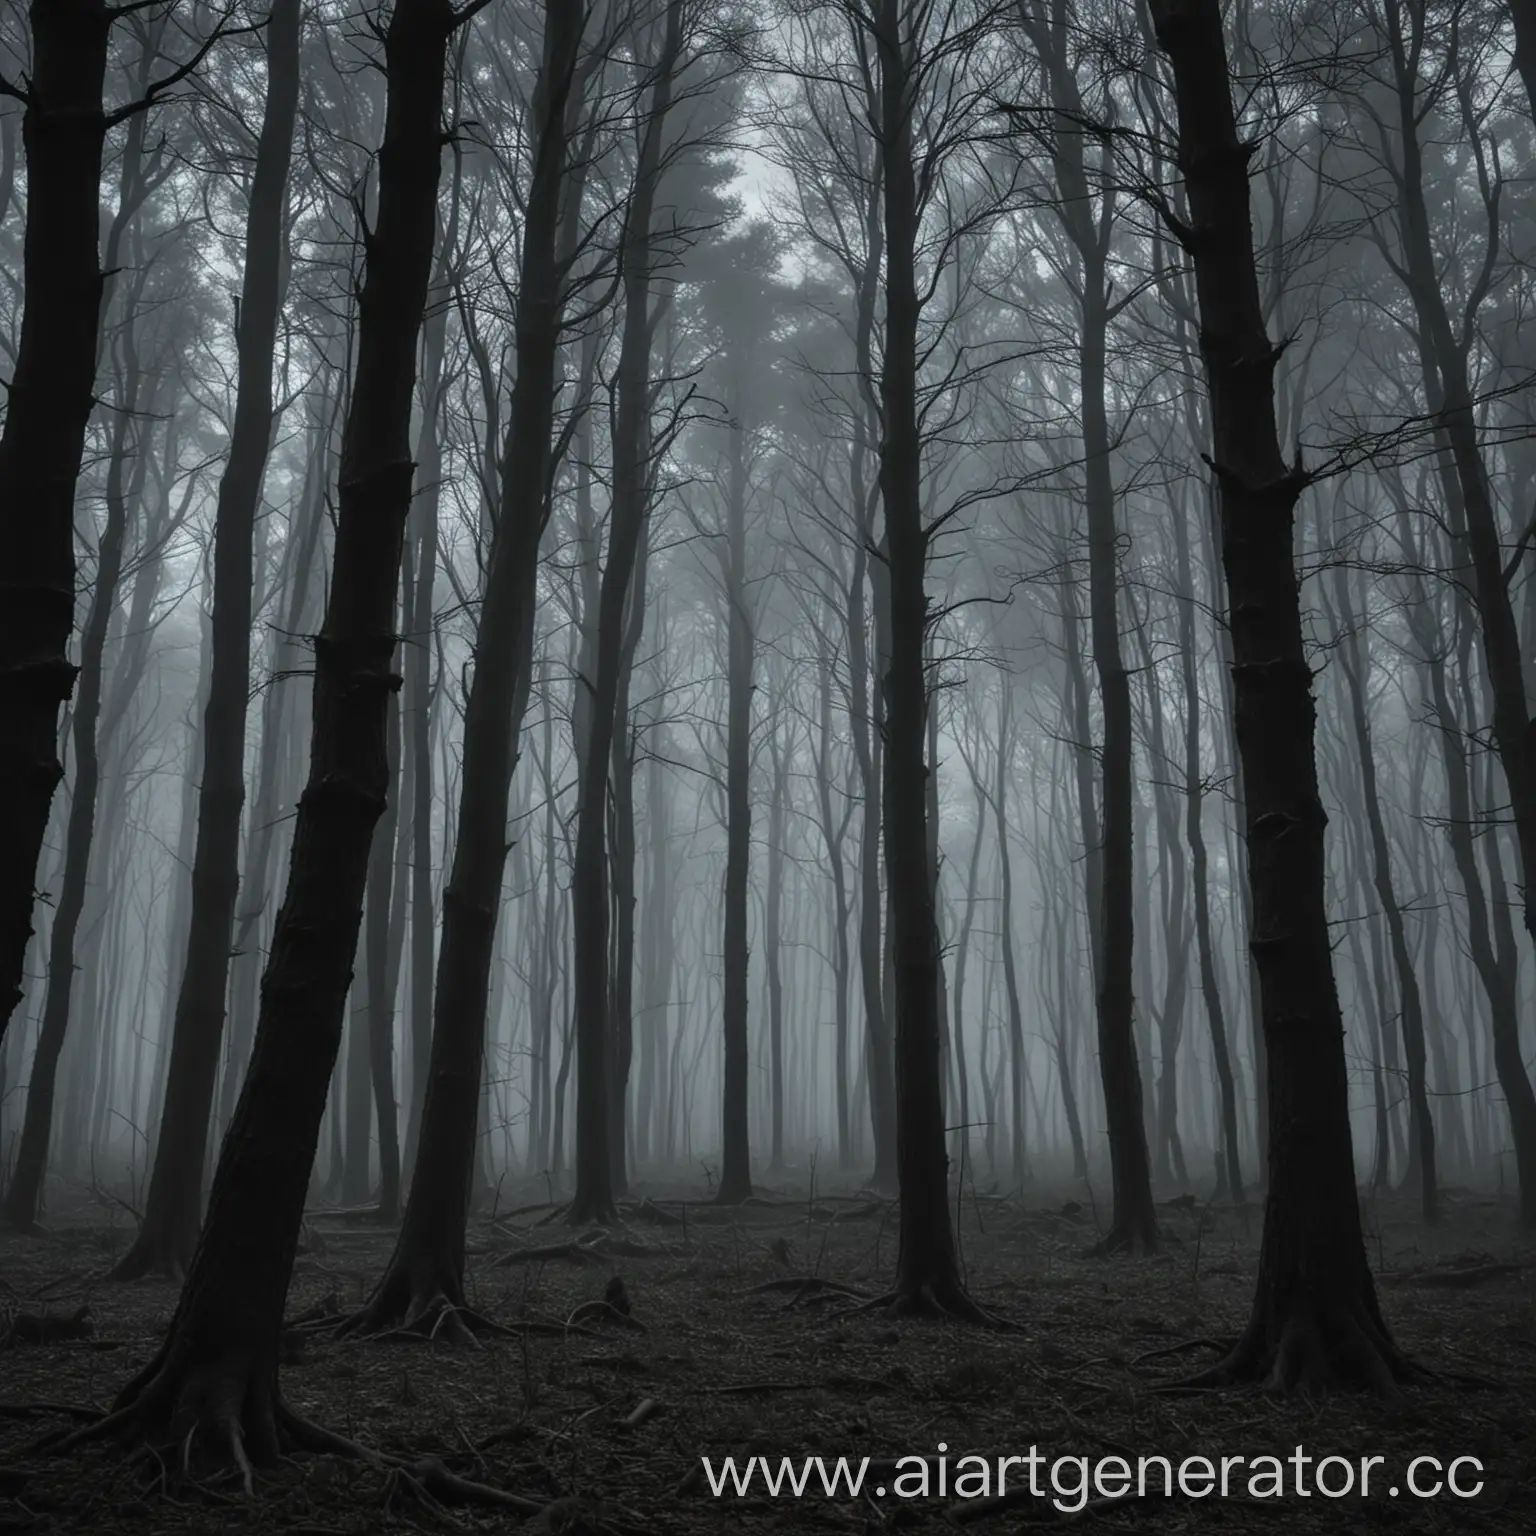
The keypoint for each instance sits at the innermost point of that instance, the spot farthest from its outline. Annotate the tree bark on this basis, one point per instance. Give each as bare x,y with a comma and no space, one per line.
425,1275
217,1369
172,1208
927,1265
48,408
1315,1320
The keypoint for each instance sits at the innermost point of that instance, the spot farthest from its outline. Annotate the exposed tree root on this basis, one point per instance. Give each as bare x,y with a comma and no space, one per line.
1317,1348
1222,1346
588,1214
939,1301
802,1284
430,1311
594,1248
547,1252
148,1257
1122,1242
1458,1278
648,1210
229,1413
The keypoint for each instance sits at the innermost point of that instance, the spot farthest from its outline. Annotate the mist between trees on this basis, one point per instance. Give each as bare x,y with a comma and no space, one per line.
934,596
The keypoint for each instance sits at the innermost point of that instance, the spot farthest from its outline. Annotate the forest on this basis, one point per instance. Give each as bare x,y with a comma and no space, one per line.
767,731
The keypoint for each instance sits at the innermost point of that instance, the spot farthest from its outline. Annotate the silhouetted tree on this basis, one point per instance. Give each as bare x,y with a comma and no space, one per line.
172,1208
1315,1320
216,1372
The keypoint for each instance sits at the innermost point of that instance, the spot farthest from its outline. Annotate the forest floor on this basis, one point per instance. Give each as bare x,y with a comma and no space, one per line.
734,1369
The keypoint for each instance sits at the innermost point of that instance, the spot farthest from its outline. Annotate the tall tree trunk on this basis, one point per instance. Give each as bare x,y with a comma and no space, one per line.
736,1158
1134,1222
217,1368
773,928
172,1208
52,389
1315,1319
927,1265
425,1275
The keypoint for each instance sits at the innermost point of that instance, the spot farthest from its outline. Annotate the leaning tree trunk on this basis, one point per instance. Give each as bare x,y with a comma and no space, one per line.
425,1276
216,1371
172,1208
927,1263
48,407
1315,1319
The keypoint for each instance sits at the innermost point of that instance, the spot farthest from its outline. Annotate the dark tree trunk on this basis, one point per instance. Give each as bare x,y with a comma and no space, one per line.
426,1273
927,1265
736,1158
1134,1222
864,719
773,925
217,1368
48,408
278,722
173,1206
1315,1319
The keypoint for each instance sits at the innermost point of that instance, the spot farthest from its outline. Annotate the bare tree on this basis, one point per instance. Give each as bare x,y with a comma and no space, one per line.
1315,1320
